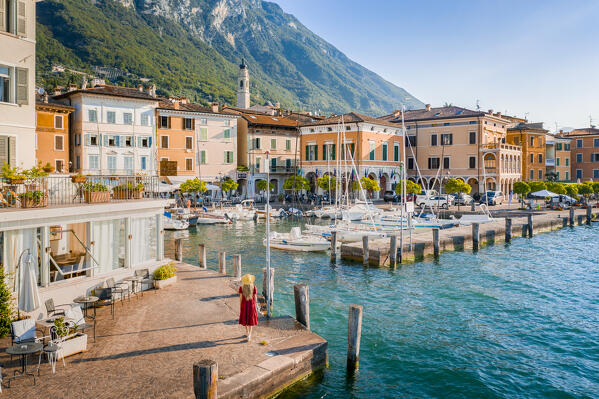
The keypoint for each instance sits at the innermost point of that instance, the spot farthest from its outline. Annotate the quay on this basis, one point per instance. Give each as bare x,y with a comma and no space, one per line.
149,349
457,238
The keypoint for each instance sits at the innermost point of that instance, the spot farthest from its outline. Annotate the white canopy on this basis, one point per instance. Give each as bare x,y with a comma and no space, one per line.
543,194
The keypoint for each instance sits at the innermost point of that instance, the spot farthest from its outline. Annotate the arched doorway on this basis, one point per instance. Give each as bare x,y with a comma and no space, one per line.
275,188
473,182
383,184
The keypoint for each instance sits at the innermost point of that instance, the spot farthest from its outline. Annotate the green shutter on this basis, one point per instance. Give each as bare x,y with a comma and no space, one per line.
333,152
316,153
22,86
307,153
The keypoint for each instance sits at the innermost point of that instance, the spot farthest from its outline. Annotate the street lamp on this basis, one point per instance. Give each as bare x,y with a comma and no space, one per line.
269,289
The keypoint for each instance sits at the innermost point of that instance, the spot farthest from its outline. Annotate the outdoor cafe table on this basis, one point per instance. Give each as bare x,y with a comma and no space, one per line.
86,301
49,322
134,281
23,350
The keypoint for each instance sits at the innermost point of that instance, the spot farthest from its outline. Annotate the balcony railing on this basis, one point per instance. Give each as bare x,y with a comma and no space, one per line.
501,146
282,169
40,192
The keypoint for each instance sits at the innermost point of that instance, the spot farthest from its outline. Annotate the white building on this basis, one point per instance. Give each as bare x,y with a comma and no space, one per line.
112,130
17,83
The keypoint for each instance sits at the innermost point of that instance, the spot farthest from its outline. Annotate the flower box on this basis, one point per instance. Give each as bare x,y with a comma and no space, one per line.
127,194
16,181
158,284
34,202
92,197
77,343
78,179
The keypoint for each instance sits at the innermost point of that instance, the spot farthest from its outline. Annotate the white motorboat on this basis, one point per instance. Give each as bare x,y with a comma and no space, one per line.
175,224
296,241
360,211
346,232
210,218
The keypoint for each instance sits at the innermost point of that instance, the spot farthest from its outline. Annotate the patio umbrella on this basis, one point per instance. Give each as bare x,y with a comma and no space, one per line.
543,194
29,296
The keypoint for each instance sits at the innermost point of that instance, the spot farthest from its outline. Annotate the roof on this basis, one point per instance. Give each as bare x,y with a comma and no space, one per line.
432,113
51,103
259,118
529,126
589,131
190,107
115,91
351,117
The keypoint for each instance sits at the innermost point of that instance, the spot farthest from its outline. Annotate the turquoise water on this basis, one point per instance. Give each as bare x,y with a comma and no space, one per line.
518,320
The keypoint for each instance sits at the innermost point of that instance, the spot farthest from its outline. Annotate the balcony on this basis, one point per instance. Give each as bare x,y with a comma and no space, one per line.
282,169
549,162
49,191
500,146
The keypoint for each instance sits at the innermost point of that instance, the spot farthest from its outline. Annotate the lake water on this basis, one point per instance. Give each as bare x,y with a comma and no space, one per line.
517,320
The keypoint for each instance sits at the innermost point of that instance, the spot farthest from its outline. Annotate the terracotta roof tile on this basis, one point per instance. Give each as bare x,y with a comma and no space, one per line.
116,91
432,113
351,117
190,107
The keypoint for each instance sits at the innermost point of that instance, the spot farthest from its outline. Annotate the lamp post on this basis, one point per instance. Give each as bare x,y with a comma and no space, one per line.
268,280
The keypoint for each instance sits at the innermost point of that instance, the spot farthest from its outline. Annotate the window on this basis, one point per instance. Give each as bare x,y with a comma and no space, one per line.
111,117
111,162
532,174
532,141
595,173
557,161
473,122
567,175
188,124
312,152
188,143
596,143
447,139
145,142
203,134
594,157
111,141
567,162
328,152
433,163
579,173
203,121
59,143
227,122
128,164
13,17
163,141
163,122
59,165
128,118
558,146
396,152
371,150
273,144
350,149
410,163
472,162
578,157
258,159
93,162
532,158
288,145
567,147
579,143
256,143
92,140
143,163
540,174
228,157
11,88
445,162
58,120
472,138
188,164
433,140
129,141
385,151
77,162
540,158
227,134
202,156
145,120
77,140
92,115
558,175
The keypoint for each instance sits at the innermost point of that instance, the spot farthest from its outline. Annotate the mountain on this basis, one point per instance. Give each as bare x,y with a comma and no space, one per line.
193,48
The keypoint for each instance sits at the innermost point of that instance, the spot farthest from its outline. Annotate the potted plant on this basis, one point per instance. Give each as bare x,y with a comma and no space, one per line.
128,190
73,341
13,175
48,168
78,178
165,275
33,199
95,192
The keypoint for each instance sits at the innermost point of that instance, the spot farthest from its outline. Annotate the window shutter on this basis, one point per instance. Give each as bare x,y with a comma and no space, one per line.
21,19
307,153
132,141
333,151
150,141
139,141
12,151
2,22
22,89
105,141
3,150
316,153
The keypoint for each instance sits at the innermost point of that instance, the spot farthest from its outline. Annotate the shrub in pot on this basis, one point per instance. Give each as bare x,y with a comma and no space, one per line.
78,178
72,341
33,199
165,275
13,175
128,190
95,192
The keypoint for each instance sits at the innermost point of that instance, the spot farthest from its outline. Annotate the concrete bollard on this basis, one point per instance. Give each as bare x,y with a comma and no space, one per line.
237,266
475,236
571,217
580,218
205,379
334,246
272,286
354,334
589,213
393,251
365,250
202,256
179,249
508,229
222,262
436,243
301,292
529,223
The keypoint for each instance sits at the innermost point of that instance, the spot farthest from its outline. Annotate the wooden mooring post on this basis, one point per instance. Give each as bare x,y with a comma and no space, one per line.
222,262
508,229
301,292
205,379
365,250
564,222
354,334
237,266
333,246
202,256
589,213
580,218
571,216
529,223
475,236
393,251
179,249
436,243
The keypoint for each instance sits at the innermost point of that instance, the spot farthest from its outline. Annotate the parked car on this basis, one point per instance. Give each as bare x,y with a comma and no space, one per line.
442,201
390,196
425,194
462,199
492,198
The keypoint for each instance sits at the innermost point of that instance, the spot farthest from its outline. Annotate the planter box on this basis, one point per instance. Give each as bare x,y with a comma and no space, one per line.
78,179
96,196
76,344
127,194
158,284
31,203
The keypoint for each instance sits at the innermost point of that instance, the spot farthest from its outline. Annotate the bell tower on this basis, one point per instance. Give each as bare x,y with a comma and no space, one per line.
243,86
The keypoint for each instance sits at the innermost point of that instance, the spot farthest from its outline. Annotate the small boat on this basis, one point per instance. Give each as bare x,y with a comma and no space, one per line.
296,241
175,224
209,218
346,232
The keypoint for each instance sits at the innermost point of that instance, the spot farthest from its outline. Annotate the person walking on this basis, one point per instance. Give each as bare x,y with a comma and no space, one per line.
248,315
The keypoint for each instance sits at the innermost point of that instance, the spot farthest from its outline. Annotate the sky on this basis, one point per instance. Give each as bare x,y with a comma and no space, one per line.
533,59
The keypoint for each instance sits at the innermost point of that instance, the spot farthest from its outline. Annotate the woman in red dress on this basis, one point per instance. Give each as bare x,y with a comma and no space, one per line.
248,316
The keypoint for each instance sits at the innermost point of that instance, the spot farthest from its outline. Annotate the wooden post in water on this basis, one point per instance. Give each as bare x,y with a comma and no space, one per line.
529,225
508,229
589,213
472,206
365,251
205,379
222,262
237,266
580,217
301,293
354,334
571,216
564,222
475,236
272,286
436,243
179,249
202,256
333,246
393,251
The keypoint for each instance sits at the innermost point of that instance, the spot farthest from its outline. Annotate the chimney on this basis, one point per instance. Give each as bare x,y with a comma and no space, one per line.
140,87
45,98
153,91
214,107
184,100
176,103
57,91
498,114
84,84
72,87
490,112
428,107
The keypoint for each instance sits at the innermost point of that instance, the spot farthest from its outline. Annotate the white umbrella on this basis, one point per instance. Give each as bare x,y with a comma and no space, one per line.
543,194
29,296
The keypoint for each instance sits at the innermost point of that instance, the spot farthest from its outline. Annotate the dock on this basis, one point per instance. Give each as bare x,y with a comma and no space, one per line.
458,238
149,349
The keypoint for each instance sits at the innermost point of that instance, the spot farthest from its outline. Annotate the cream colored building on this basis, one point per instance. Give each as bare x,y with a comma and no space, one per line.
17,82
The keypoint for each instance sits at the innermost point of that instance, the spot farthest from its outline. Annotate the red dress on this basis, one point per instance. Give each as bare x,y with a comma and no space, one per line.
247,314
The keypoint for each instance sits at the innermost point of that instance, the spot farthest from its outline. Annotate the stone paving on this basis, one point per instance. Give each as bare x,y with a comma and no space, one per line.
148,350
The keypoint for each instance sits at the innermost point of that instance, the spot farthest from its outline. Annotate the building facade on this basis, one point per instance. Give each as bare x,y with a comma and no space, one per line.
558,156
243,86
52,131
17,83
531,137
201,140
585,153
454,142
112,130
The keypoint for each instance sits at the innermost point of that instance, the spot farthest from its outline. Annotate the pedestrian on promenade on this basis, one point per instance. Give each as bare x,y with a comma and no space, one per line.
248,316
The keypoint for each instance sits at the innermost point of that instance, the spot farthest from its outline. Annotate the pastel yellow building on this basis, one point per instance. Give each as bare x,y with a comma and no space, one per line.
531,137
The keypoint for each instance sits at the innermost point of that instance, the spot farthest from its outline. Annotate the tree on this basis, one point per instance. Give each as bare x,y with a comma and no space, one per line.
457,186
595,187
537,186
296,183
261,185
194,186
6,306
228,185
368,184
572,190
521,188
327,183
557,188
585,190
411,187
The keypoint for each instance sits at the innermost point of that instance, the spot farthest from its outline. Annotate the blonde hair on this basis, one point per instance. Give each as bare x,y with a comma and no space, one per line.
247,290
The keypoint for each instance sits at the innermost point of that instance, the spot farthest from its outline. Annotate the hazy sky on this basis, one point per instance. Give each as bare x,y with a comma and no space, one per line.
538,59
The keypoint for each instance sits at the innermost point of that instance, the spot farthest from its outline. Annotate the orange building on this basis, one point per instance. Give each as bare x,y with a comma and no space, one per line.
531,137
52,134
585,153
